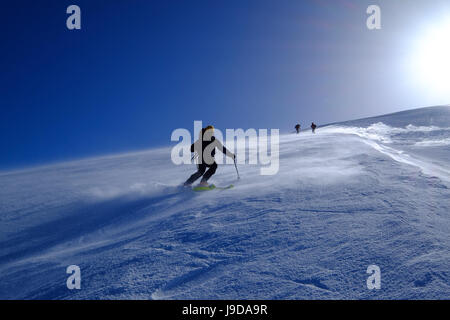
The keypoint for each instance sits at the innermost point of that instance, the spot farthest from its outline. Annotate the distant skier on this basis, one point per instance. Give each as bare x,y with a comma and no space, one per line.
297,128
313,127
205,147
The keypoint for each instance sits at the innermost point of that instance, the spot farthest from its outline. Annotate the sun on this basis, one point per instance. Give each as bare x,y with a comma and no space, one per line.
432,59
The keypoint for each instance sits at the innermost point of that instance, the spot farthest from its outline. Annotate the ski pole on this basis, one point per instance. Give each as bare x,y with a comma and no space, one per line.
235,165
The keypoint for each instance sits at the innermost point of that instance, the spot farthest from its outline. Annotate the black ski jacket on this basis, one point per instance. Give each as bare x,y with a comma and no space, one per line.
199,146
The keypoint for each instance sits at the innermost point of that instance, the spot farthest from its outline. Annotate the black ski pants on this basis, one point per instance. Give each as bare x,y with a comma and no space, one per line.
201,172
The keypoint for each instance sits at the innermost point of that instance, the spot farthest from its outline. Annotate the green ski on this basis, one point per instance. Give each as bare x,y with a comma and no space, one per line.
211,187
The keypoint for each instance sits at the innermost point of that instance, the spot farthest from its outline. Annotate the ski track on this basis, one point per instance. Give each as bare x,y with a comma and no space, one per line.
352,195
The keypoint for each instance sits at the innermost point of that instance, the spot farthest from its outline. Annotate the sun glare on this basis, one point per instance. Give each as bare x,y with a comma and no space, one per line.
432,59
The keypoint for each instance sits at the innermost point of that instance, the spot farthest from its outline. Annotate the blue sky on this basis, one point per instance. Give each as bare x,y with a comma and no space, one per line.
139,69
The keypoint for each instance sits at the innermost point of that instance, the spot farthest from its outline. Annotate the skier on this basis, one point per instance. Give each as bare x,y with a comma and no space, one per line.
313,127
205,147
297,128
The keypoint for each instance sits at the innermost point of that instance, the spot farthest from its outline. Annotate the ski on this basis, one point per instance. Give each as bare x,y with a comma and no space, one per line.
211,187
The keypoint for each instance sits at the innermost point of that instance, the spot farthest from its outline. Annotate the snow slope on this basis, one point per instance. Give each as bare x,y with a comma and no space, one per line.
370,191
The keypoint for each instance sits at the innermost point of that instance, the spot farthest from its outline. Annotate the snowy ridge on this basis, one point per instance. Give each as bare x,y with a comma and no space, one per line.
381,137
370,191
